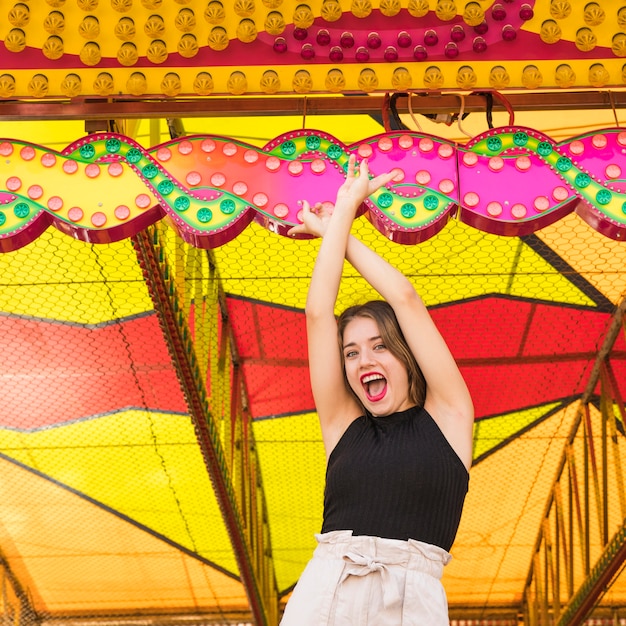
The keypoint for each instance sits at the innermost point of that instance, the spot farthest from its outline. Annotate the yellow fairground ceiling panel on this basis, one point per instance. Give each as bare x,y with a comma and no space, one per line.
194,48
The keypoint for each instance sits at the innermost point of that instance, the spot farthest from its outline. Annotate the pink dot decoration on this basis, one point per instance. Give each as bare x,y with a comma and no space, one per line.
471,199
115,169
577,147
207,145
560,193
425,144
599,141
405,142
295,168
193,178
13,183
272,163
281,210
446,186
229,149
35,192
496,163
142,201
613,171
260,199
240,188
422,177
445,151
518,211
70,167
75,214
92,171
398,175
494,209
48,159
218,179
470,159
55,203
164,154
6,149
250,156
621,139
541,203
365,151
98,219
385,144
27,153
523,163
318,166
185,147
122,212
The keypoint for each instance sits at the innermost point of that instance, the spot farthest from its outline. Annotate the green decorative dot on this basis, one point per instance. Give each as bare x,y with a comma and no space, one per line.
313,142
431,202
494,144
408,210
133,155
624,208
205,215
150,171
563,164
520,138
3,219
582,180
544,149
288,148
334,151
87,151
21,210
227,206
182,203
113,145
165,187
603,197
385,200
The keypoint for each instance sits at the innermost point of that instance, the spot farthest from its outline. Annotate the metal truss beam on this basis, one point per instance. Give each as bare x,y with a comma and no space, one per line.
15,605
240,498
581,547
425,102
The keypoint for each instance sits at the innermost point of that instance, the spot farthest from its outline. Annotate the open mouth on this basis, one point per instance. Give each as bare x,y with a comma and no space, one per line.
375,386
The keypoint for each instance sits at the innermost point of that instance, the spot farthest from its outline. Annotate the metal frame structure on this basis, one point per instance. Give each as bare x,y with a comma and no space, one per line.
581,547
186,295
427,102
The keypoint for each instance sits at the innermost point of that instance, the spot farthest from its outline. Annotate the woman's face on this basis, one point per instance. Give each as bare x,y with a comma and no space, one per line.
378,378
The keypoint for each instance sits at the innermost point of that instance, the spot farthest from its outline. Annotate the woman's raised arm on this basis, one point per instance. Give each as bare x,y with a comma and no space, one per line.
447,398
335,405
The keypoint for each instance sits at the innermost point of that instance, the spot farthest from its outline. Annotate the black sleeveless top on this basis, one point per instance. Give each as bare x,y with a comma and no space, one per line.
395,477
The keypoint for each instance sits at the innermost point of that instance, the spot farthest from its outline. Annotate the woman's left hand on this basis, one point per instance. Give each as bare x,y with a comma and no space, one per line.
314,220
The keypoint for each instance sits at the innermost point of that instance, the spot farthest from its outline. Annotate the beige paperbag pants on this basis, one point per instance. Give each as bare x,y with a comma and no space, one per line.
369,581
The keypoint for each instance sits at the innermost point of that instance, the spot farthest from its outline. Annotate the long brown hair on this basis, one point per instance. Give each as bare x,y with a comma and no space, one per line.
392,336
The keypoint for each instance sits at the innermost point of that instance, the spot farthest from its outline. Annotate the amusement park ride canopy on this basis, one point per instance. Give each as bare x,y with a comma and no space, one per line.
160,458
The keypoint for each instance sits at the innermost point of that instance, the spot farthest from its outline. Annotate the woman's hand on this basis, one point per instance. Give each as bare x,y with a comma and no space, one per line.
357,187
354,190
314,219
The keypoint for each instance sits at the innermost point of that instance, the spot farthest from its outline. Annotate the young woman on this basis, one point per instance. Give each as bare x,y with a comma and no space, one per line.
396,420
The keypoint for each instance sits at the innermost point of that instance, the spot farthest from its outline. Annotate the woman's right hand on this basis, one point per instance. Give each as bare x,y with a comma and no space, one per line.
358,185
354,190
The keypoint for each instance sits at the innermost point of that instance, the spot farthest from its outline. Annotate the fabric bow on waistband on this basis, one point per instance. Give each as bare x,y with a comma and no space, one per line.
360,565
